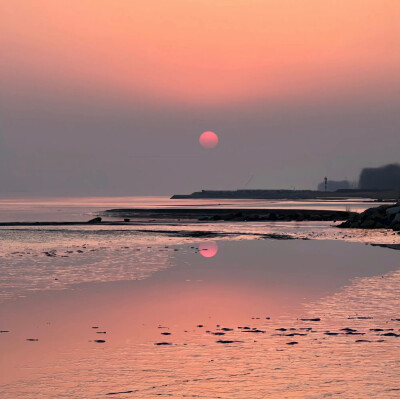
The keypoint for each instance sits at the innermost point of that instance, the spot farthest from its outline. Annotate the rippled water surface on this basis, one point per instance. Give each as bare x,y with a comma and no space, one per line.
239,313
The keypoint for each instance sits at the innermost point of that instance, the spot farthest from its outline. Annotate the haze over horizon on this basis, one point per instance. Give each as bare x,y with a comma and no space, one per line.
110,97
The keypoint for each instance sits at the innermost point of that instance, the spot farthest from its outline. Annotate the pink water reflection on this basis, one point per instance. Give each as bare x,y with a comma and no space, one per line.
208,249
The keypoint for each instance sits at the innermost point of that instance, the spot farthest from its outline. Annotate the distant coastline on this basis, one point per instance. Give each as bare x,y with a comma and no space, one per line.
379,195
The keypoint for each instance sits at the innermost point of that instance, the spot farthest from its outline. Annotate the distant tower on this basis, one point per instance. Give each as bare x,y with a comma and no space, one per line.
326,183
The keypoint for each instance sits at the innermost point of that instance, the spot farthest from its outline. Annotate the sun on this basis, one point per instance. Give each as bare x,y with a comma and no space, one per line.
208,140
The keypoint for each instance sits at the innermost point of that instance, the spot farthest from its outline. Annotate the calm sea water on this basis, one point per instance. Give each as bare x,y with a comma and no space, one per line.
240,315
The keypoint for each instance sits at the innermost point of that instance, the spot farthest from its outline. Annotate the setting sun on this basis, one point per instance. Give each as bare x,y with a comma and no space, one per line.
209,140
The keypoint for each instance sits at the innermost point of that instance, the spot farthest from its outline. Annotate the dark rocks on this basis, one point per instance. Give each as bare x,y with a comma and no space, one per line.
165,333
233,215
162,343
369,224
275,236
95,220
381,217
32,339
99,341
292,343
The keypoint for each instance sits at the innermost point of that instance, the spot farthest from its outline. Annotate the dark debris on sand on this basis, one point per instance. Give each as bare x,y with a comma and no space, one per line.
313,319
119,393
221,341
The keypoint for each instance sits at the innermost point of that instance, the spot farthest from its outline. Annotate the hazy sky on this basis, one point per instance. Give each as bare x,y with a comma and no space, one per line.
110,96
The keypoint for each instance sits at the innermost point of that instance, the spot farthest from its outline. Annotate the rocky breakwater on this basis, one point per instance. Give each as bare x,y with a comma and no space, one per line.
229,214
382,217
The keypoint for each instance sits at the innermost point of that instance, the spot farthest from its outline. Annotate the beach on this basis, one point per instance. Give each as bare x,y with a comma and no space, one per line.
236,310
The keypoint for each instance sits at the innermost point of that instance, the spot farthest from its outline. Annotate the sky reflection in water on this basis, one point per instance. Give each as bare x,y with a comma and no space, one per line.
262,284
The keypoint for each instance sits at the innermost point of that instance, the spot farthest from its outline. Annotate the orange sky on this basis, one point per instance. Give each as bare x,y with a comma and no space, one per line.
201,51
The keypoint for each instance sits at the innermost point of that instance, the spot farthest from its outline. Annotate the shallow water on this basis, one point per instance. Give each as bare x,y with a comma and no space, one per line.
136,283
54,258
345,285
